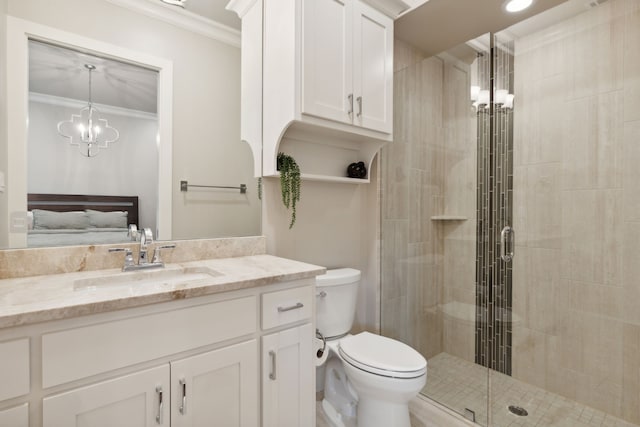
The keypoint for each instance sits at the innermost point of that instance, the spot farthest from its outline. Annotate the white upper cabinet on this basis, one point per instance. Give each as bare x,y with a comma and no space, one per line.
326,85
327,76
373,68
347,71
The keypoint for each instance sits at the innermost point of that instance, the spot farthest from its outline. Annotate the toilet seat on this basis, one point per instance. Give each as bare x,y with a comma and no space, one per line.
382,356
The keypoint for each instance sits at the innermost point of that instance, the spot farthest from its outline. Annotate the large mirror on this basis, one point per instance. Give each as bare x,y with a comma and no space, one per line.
151,148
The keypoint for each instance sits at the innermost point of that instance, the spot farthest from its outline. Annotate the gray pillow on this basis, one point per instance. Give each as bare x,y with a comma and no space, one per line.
49,220
114,219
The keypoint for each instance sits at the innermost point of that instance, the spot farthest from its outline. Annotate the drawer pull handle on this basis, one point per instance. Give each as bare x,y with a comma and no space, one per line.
292,307
272,374
160,405
183,406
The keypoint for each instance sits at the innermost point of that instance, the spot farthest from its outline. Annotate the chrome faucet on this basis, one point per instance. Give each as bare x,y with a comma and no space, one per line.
146,238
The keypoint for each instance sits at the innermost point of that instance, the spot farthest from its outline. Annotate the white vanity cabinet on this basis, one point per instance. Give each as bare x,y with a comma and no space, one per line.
287,372
347,72
217,388
140,399
321,72
189,362
15,417
287,378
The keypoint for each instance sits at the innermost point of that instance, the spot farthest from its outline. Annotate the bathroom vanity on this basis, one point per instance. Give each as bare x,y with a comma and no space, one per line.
224,341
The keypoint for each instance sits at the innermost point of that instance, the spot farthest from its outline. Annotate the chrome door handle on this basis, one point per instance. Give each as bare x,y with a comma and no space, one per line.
183,405
292,307
160,405
272,374
507,256
359,100
350,99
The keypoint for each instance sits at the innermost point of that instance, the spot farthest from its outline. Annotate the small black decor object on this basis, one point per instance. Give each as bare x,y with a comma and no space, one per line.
357,170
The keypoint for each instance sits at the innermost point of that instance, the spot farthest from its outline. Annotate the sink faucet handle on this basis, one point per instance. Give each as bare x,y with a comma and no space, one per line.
133,232
128,256
156,252
146,237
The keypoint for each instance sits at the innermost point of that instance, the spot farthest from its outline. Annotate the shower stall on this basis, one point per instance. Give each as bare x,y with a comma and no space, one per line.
510,223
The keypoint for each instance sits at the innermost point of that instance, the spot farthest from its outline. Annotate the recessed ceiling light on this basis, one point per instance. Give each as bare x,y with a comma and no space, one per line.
514,6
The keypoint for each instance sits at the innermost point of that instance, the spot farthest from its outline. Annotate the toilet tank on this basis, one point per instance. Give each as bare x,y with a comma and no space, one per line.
336,295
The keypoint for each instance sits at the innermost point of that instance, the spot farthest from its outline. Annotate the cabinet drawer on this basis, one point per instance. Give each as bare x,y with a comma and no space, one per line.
78,353
14,369
288,306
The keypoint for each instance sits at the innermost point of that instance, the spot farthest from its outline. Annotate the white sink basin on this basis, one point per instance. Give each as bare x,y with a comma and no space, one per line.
159,277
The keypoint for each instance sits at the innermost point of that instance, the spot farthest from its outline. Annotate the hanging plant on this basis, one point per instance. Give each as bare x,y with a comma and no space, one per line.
289,183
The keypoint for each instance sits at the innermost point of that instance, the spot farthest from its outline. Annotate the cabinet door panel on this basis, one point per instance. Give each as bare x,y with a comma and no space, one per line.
287,378
15,417
218,388
373,69
327,58
129,401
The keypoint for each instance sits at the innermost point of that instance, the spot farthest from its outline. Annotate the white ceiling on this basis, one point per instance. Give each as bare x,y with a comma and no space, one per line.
58,71
214,10
433,26
438,25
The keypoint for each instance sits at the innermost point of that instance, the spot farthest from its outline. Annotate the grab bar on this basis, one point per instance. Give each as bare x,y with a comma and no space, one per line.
184,186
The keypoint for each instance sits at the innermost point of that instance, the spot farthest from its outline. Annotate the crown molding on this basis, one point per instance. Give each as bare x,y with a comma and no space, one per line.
391,8
241,7
183,19
103,108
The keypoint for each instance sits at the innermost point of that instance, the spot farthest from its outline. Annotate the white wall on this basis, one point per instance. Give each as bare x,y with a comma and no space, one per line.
127,168
206,108
4,237
336,226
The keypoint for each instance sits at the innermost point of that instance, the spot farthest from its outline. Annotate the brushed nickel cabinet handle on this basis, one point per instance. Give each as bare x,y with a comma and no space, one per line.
272,374
359,99
183,388
292,307
160,405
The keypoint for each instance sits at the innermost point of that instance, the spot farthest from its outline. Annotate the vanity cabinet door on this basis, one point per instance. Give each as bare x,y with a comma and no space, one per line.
15,417
217,388
288,394
136,400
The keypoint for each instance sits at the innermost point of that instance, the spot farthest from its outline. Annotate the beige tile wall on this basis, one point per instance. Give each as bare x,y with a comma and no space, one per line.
429,170
576,280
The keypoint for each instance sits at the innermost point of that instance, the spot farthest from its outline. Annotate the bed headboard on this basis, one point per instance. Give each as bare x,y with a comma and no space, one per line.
79,202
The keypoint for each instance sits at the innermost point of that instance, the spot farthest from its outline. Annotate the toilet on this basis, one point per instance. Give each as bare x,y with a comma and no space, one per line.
368,379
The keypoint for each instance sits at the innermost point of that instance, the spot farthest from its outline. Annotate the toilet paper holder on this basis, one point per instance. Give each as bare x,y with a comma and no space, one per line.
320,352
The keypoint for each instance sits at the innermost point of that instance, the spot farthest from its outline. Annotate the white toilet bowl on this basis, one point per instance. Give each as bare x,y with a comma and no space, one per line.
385,374
377,375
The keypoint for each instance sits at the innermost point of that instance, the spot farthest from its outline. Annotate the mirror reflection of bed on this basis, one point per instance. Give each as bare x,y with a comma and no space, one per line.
75,219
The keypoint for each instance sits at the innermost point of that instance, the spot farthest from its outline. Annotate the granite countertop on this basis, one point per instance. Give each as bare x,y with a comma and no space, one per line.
44,298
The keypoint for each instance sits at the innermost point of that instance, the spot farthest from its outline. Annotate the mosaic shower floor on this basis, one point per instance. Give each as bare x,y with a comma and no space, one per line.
459,384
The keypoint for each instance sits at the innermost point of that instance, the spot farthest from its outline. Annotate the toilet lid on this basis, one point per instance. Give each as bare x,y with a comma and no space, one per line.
382,356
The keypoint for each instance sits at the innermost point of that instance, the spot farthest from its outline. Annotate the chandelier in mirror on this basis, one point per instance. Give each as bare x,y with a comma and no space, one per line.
87,130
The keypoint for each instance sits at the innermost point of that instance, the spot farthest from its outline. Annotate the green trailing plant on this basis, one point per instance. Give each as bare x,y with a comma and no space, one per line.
289,183
260,188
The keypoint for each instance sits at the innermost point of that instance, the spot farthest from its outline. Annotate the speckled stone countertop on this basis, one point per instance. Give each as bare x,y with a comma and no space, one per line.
27,300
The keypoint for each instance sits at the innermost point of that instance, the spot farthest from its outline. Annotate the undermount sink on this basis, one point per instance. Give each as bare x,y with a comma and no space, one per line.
159,277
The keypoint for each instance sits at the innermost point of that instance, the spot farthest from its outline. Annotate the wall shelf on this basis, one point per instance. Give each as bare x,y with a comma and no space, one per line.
449,218
328,178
